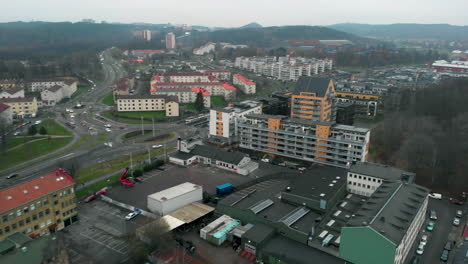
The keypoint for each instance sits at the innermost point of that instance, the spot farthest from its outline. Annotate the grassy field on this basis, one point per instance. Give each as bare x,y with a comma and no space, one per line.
53,128
217,100
190,106
158,114
161,138
18,141
108,100
88,190
98,170
155,115
100,140
81,90
32,150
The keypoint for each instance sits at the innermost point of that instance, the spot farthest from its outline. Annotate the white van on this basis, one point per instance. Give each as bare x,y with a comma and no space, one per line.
437,196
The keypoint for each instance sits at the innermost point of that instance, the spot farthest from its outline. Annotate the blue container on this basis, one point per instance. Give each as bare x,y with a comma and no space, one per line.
224,189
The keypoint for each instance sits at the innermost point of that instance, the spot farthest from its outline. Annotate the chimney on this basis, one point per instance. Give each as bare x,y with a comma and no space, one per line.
178,143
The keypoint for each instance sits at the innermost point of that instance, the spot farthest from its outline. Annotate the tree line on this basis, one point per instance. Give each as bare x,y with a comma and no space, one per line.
428,136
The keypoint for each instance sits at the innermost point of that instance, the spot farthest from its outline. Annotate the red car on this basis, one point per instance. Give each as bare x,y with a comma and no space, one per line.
90,198
101,192
455,201
121,127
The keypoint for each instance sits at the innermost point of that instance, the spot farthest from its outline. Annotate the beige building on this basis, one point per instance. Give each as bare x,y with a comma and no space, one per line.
138,103
21,107
38,206
244,84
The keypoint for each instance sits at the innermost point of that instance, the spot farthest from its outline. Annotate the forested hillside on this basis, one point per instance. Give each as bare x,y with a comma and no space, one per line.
429,136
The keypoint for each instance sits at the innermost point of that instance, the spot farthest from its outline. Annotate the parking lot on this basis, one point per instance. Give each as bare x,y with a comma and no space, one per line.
100,234
444,231
158,180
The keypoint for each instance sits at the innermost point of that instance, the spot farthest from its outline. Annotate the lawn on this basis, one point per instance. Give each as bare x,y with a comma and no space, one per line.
32,150
190,106
108,100
161,138
81,90
135,134
18,141
122,116
98,170
100,140
53,128
217,100
88,190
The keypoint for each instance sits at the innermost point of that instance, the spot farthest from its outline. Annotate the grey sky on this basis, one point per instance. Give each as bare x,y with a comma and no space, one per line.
240,12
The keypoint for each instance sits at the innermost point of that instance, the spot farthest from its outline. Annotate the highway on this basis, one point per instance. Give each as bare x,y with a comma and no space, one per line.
86,117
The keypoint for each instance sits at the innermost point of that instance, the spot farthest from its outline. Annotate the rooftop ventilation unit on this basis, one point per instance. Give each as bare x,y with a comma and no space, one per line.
9,197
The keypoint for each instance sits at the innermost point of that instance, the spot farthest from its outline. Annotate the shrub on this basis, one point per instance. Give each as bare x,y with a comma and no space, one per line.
137,173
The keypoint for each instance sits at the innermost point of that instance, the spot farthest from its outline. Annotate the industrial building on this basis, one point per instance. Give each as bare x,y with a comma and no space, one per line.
38,206
223,121
193,150
169,200
296,218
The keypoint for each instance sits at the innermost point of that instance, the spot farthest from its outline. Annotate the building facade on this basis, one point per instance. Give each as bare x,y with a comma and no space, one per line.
220,74
6,115
38,206
21,107
244,84
137,103
170,41
321,142
223,121
313,99
204,49
12,92
123,86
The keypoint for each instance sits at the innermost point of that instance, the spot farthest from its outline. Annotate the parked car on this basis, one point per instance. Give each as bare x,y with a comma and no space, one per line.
435,196
449,245
101,192
38,122
456,201
108,125
156,146
456,221
265,160
444,256
16,133
13,175
121,127
108,130
90,198
430,226
420,249
423,240
131,216
433,215
459,213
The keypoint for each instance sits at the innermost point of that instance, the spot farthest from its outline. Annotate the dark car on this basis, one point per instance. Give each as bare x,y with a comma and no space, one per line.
90,198
448,245
456,201
12,176
444,256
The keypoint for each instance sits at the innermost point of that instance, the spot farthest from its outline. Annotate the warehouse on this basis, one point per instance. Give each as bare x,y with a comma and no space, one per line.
169,200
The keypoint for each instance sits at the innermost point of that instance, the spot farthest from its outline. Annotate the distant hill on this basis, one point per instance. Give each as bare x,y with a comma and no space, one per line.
270,36
252,25
406,31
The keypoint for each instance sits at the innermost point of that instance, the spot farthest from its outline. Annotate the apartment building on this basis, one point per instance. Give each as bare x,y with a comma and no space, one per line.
21,106
11,91
8,83
314,141
44,84
38,206
147,35
223,121
204,49
313,99
244,84
170,41
137,103
284,68
186,86
6,115
220,74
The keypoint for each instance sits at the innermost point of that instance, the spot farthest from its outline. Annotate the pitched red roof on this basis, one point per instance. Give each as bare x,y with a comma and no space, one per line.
24,192
3,107
227,86
243,79
203,91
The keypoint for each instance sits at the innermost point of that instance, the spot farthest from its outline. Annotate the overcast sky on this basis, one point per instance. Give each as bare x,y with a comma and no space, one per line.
233,13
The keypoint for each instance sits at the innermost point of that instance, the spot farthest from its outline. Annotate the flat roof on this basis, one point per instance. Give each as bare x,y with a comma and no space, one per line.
379,170
258,233
160,226
174,192
192,212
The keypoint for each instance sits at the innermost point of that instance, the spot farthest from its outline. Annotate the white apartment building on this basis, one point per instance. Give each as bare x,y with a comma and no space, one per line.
12,92
223,122
220,74
136,103
204,49
53,95
284,68
41,85
244,84
6,115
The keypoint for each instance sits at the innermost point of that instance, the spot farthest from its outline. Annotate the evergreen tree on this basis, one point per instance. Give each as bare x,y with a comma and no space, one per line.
32,130
199,102
43,131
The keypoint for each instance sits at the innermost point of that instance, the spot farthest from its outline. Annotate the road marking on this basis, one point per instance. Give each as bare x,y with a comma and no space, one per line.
99,242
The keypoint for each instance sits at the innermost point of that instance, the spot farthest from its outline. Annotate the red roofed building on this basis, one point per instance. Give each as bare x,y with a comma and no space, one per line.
221,74
38,206
246,85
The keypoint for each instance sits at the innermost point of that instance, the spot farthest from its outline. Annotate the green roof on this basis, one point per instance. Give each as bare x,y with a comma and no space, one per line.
6,245
19,238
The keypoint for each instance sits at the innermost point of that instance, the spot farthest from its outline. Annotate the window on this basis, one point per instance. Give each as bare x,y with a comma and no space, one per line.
19,212
28,220
49,221
12,216
360,177
14,226
57,212
34,217
21,223
55,202
41,214
26,210
33,207
47,211
39,204
5,218
7,229
46,202
36,227
42,224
